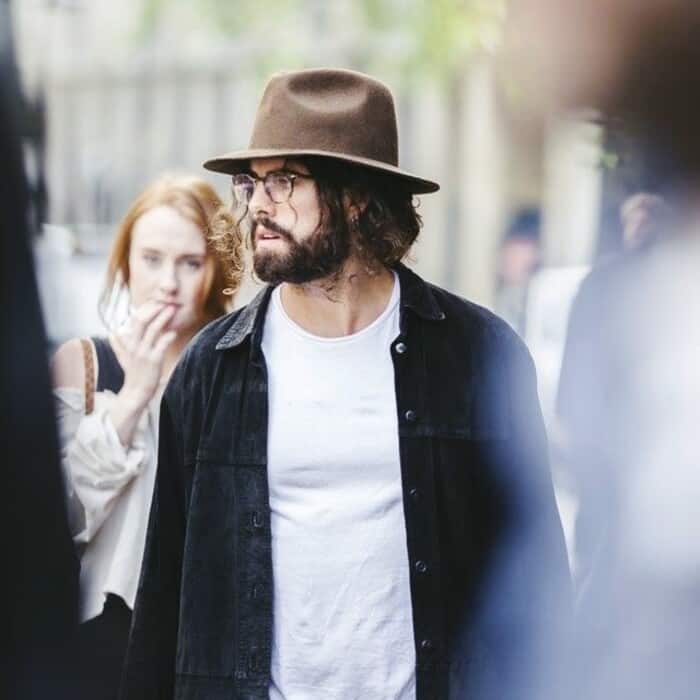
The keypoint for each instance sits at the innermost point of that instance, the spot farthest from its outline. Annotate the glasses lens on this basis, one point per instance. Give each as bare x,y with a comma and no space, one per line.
243,187
278,186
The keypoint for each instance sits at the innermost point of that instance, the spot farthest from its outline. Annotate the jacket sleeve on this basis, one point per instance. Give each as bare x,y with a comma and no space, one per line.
96,466
149,670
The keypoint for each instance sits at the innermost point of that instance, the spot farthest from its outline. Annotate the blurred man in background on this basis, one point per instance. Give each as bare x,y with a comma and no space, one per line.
518,260
588,384
643,217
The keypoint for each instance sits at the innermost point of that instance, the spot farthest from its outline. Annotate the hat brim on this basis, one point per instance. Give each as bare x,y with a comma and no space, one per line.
230,162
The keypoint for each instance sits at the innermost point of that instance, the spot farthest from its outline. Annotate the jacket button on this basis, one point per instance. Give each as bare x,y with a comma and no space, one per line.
414,493
410,416
401,348
253,661
426,645
256,520
421,566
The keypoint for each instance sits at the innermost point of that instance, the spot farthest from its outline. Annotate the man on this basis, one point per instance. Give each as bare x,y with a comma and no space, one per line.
628,405
353,498
519,258
643,216
592,396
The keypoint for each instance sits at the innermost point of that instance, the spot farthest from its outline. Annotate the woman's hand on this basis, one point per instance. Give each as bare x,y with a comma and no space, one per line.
141,346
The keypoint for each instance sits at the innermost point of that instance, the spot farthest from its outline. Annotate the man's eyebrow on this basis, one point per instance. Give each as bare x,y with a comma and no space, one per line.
295,166
252,171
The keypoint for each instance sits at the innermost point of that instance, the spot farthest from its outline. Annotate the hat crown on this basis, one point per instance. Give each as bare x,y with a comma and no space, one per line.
327,112
337,111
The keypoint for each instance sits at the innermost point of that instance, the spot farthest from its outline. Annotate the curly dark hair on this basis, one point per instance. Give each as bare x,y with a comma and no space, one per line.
382,235
389,222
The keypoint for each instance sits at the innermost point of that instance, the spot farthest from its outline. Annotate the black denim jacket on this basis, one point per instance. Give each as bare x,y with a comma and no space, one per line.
488,567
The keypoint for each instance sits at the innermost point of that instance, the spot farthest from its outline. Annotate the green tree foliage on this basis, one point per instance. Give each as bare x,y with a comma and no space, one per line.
440,34
225,18
435,37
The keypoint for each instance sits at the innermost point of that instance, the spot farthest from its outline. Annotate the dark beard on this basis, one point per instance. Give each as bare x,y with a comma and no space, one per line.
319,256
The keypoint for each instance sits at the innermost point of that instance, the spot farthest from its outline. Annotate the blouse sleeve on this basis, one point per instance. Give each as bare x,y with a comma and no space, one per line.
96,466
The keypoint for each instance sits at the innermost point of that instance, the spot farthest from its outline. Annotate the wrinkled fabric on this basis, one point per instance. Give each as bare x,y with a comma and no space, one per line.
108,489
488,568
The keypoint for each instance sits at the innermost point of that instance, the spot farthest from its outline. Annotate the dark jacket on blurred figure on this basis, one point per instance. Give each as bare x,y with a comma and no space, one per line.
488,567
629,402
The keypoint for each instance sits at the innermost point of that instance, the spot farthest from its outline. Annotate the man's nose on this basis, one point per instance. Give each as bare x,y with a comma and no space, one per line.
260,201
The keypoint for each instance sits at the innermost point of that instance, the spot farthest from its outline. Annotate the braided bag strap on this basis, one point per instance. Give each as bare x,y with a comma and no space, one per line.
89,375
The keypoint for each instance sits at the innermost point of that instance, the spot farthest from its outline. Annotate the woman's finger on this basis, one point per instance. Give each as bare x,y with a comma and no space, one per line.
142,318
156,326
162,344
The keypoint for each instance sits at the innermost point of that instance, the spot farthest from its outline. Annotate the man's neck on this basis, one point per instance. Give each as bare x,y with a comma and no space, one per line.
342,304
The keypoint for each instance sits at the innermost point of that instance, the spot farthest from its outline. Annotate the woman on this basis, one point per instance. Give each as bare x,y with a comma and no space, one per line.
108,392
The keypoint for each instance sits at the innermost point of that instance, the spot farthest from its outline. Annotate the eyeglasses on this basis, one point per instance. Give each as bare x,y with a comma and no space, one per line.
279,185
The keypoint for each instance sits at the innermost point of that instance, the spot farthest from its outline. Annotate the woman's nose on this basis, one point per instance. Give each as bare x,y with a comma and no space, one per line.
168,279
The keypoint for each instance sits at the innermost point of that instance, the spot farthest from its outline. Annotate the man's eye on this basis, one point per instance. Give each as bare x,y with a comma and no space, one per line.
280,179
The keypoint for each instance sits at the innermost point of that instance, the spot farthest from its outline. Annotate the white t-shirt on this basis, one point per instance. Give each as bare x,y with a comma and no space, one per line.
343,626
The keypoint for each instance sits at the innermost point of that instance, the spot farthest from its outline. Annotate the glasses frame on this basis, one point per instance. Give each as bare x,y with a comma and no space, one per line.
292,175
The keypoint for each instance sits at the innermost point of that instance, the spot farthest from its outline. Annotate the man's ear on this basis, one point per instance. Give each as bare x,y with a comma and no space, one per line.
354,203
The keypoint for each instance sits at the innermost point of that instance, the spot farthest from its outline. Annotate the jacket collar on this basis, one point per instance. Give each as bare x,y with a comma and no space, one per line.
248,320
416,295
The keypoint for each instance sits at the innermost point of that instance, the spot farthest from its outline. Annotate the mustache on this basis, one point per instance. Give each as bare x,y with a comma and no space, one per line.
270,226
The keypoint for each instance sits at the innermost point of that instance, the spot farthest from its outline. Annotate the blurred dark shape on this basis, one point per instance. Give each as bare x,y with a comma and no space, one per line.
632,60
40,574
656,91
35,153
518,260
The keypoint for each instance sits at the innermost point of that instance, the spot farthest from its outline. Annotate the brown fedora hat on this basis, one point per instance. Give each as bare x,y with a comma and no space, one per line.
327,112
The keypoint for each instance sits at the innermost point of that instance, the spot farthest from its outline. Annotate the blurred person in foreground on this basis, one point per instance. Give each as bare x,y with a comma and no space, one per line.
586,393
629,403
518,260
632,400
108,391
39,583
353,497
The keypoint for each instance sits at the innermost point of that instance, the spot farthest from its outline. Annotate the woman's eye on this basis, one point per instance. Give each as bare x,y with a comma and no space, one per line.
194,264
150,259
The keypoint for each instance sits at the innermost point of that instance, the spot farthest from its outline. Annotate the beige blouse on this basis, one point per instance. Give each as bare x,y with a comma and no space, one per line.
109,490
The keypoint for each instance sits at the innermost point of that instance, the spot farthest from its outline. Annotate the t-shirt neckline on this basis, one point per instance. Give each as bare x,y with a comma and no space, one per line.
383,316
